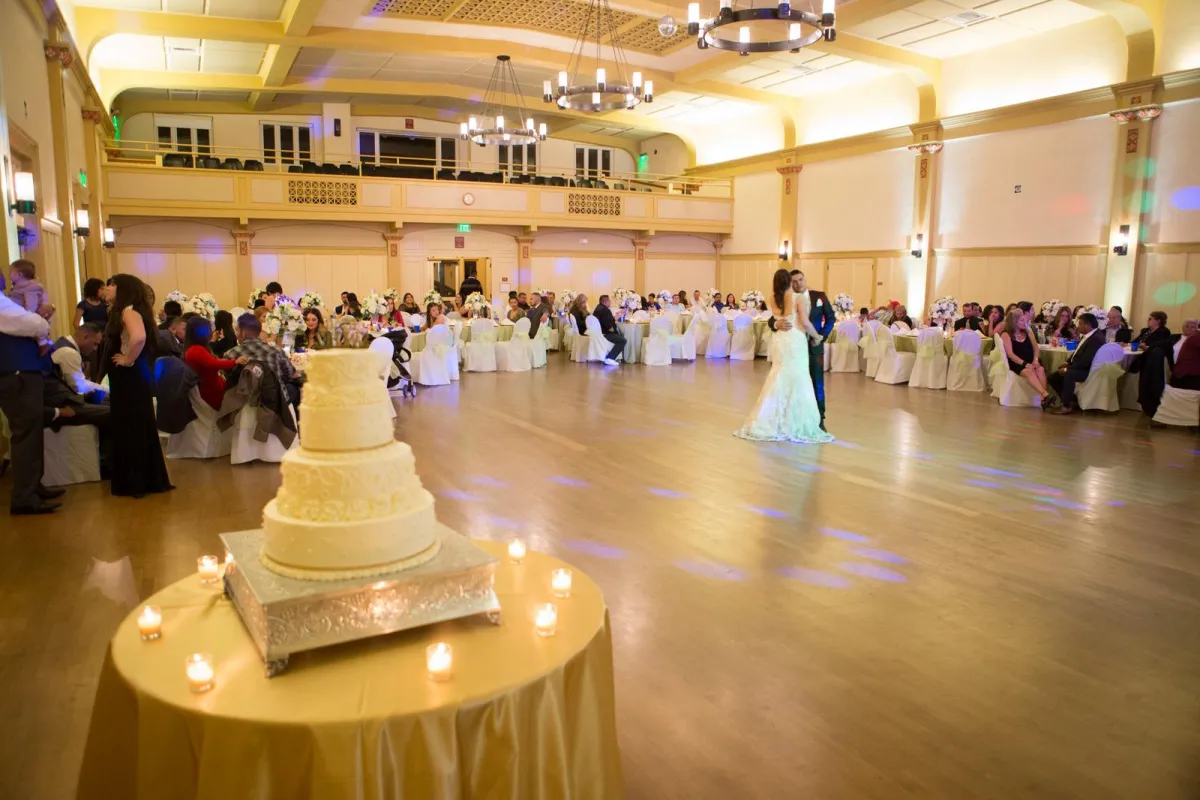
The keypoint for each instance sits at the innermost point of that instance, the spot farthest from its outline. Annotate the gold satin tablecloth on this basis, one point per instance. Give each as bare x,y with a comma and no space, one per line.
524,717
416,341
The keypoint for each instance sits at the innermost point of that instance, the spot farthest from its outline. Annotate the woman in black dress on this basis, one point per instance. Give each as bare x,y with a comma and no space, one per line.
1022,352
138,467
226,337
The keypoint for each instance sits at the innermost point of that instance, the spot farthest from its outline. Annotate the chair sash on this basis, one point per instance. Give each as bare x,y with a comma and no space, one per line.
1108,372
485,338
963,360
928,352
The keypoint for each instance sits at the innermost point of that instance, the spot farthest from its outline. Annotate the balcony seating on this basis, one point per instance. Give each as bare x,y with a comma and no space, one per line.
310,167
177,160
208,162
232,163
295,168
252,165
347,169
445,175
330,169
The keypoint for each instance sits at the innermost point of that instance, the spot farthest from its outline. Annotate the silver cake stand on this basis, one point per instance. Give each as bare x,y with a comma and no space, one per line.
287,615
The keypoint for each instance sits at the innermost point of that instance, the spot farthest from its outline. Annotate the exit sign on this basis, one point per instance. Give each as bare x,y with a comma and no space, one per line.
464,227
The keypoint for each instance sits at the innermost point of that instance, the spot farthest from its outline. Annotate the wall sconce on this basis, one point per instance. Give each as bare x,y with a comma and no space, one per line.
785,250
110,238
1121,242
23,192
81,222
918,245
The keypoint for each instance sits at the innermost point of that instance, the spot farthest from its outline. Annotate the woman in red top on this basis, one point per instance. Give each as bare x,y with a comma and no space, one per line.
208,367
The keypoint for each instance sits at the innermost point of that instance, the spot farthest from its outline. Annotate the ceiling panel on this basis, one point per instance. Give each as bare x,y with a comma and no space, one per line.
244,9
1050,16
918,33
888,24
131,51
948,45
224,97
124,5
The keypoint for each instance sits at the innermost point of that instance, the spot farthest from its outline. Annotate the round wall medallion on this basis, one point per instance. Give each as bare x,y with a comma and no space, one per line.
468,199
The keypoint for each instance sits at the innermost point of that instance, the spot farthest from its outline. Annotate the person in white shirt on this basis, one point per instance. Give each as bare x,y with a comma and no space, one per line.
69,352
1190,328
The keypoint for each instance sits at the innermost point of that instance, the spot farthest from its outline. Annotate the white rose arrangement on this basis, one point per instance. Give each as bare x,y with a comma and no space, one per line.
621,295
391,294
565,300
283,318
1100,314
432,296
843,304
1050,308
664,297
177,297
311,300
752,298
254,297
476,302
944,309
203,304
374,304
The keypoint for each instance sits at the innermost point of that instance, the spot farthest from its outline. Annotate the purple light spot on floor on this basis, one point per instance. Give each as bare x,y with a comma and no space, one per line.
983,484
991,471
847,535
1033,487
1092,433
922,456
779,451
849,445
667,493
815,577
1062,447
455,494
872,571
503,522
707,569
1064,503
1047,510
878,555
810,467
1116,503
677,424
1196,452
1175,466
769,512
486,480
563,480
595,549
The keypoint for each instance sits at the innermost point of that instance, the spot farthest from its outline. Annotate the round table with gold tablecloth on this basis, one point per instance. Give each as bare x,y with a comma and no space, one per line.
523,717
416,341
635,332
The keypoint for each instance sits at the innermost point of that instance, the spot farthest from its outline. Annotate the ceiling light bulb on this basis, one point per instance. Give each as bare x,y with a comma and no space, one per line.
827,6
649,89
600,76
109,236
81,219
596,98
693,13
637,80
23,186
529,125
726,4
744,34
546,87
500,123
473,124
507,137
794,31
562,80
542,130
462,129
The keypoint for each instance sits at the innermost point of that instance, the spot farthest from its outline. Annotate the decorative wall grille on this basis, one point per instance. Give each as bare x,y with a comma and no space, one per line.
594,205
316,192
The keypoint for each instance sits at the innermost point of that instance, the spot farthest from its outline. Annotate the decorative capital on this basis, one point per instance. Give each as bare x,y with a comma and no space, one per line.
242,238
791,169
1140,113
926,148
61,53
92,115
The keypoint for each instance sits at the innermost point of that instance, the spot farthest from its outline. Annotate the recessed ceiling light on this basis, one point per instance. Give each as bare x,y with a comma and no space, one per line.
965,18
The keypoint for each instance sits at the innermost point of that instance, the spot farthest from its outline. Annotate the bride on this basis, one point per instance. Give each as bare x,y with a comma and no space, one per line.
786,410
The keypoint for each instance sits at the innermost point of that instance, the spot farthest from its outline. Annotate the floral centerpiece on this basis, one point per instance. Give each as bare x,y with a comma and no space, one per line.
944,309
432,296
254,297
565,300
204,305
350,333
311,300
476,303
712,296
1050,308
843,304
622,297
1100,314
284,320
177,297
664,297
752,299
391,294
542,293
374,305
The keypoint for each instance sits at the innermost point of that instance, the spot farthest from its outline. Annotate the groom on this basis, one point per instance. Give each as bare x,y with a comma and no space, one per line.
823,318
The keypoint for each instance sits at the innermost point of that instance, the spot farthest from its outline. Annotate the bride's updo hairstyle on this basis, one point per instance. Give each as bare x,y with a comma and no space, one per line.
779,286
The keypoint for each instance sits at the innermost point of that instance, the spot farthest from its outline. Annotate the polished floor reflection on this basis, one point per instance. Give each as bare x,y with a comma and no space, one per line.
953,601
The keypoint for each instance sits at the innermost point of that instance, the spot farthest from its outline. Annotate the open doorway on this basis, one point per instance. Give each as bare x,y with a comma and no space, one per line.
449,273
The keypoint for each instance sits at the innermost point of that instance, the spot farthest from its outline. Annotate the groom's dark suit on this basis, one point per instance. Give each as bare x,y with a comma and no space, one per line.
823,318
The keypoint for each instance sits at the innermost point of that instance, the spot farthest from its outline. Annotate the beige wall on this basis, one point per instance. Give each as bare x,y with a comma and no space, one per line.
887,101
757,204
438,242
758,130
856,204
1168,283
1181,36
665,155
1175,185
26,94
1010,277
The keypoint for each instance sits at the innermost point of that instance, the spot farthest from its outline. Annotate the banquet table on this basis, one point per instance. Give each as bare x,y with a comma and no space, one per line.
416,341
635,332
524,716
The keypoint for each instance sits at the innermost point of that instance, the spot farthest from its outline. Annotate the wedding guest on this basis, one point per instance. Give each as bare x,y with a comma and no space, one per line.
522,302
1061,329
552,300
900,314
993,316
1186,372
470,284
731,301
315,336
718,303
274,289
171,310
409,305
92,308
697,298
579,312
252,345
207,367
226,336
683,299
138,467
1189,329
1156,333
514,311
1022,351
539,314
394,316
608,327
1076,311
170,338
971,319
349,306
27,291
1079,363
71,351
1117,329
864,314
434,315
260,314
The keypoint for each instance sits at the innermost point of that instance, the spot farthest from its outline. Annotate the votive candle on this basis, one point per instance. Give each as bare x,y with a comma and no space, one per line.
200,672
545,620
560,582
516,550
439,660
209,569
149,623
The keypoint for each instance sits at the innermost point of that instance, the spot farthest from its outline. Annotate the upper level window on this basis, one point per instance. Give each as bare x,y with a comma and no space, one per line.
183,134
593,162
286,144
516,159
415,151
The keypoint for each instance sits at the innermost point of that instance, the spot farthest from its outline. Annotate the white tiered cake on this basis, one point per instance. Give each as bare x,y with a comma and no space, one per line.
351,504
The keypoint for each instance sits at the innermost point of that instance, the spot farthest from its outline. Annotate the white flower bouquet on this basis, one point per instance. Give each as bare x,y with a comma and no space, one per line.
391,294
432,296
1100,314
178,297
752,298
712,296
203,304
621,295
311,300
254,297
664,297
1050,308
843,304
541,292
476,302
283,318
374,304
565,300
944,309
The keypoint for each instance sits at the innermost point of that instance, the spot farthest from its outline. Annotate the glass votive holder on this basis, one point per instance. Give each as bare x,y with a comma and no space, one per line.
209,569
149,623
560,582
201,674
439,660
516,550
545,619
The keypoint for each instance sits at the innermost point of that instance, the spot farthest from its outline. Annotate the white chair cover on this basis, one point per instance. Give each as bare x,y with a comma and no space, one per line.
1099,391
703,330
900,327
454,316
385,350
844,353
406,319
965,373
479,354
996,367
641,315
656,348
538,345
764,342
516,355
675,315
201,438
894,367
72,455
597,345
1179,407
245,448
457,331
429,367
683,346
930,370
869,344
576,342
741,344
1008,387
718,335
416,320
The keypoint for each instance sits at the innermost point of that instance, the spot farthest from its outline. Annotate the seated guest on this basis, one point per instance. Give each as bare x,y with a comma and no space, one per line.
1156,333
731,301
1026,309
274,289
971,319
226,336
170,338
207,367
992,317
1020,347
683,299
550,298
93,307
514,311
1060,328
349,306
252,345
539,313
1189,329
900,314
522,301
608,326
864,314
170,311
434,315
579,312
408,305
718,303
70,352
315,336
1186,372
1117,329
1079,363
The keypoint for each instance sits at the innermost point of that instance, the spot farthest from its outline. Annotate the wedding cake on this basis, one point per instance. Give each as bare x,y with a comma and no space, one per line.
351,504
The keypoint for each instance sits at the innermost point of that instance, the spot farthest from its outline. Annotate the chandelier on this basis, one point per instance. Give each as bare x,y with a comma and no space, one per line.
706,30
624,91
495,103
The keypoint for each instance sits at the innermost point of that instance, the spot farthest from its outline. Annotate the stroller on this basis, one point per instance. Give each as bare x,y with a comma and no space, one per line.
401,355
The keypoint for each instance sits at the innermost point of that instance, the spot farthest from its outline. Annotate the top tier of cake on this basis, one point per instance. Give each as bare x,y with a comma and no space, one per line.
346,405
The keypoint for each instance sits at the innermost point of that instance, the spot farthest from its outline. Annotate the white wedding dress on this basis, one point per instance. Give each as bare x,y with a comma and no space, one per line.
786,410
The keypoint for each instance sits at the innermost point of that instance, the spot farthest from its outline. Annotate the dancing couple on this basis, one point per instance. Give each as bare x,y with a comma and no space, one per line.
791,407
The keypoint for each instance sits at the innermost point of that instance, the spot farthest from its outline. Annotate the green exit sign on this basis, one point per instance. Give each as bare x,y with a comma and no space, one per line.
464,227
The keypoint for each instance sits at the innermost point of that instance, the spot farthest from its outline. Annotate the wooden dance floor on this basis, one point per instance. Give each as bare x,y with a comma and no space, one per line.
954,601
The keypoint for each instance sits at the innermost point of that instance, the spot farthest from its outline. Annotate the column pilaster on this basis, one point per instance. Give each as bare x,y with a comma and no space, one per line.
639,265
524,282
789,208
922,269
395,259
95,262
242,255
720,279
59,58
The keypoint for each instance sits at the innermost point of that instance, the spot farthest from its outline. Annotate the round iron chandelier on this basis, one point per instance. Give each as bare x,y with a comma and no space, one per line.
625,90
495,103
802,27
